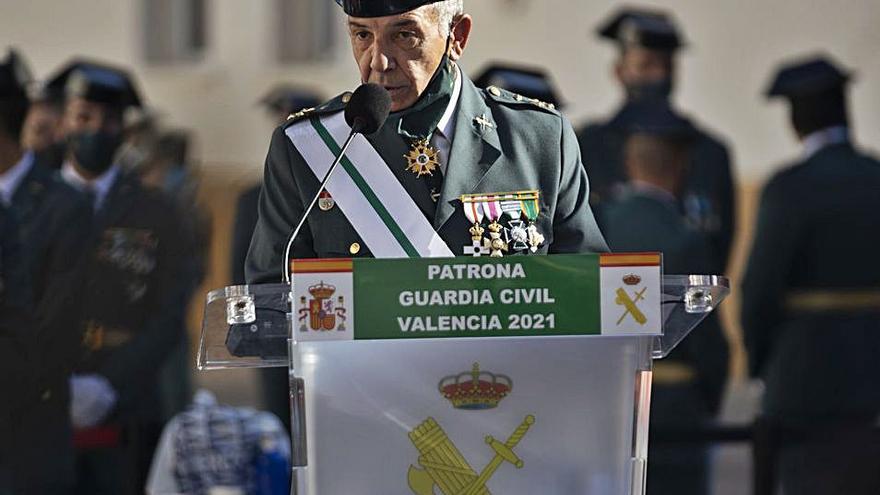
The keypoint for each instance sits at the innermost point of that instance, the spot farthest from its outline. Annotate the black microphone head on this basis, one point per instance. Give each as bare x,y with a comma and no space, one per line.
368,108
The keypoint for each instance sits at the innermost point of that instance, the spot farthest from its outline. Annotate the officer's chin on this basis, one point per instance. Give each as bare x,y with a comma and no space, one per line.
401,99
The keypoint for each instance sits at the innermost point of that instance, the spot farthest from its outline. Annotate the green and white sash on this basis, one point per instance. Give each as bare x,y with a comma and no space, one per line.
366,190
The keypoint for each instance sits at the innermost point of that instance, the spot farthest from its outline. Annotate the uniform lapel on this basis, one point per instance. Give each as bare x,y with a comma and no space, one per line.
475,149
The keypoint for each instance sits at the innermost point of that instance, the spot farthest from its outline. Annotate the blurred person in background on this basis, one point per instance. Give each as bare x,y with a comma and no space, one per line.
811,292
134,293
14,324
168,167
280,102
42,127
530,82
53,223
648,43
647,216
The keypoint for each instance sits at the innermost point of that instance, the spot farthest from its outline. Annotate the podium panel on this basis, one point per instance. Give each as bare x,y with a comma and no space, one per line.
416,416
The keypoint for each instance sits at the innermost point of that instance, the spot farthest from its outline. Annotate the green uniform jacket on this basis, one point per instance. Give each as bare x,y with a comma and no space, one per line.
818,229
708,199
529,146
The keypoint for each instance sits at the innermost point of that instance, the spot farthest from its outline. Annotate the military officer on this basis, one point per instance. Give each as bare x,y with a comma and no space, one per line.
648,43
688,384
134,296
811,291
445,145
53,231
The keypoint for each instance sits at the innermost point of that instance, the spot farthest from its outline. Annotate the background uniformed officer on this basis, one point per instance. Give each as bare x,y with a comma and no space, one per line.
689,383
280,102
134,292
648,43
484,141
811,292
53,230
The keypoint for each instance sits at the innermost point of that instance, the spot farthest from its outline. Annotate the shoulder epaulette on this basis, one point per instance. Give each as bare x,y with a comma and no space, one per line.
334,105
508,97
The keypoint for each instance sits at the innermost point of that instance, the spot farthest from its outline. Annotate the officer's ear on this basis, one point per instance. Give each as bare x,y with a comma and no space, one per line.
459,35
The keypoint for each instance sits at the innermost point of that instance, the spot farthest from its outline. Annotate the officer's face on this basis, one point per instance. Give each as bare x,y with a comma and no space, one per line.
42,127
81,115
402,52
638,65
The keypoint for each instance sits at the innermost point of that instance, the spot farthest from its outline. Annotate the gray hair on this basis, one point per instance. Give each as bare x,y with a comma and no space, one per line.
446,12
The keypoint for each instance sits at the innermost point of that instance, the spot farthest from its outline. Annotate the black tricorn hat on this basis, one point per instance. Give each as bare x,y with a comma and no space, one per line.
641,27
807,76
286,98
14,76
96,82
531,82
380,8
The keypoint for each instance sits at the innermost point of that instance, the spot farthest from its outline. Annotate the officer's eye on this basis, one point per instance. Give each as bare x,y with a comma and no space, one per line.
407,39
361,35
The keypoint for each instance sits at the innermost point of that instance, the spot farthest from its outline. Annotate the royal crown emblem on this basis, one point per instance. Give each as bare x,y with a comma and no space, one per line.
632,279
475,389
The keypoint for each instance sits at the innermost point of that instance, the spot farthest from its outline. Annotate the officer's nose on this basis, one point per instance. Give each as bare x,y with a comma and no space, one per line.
381,60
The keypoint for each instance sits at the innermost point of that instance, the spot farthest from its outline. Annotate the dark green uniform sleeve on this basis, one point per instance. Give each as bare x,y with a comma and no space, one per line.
777,234
574,226
280,209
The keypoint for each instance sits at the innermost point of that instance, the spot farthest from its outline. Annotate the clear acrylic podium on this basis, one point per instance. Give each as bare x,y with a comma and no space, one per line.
554,414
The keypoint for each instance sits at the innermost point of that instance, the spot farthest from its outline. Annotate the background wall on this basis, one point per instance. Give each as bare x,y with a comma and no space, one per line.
733,47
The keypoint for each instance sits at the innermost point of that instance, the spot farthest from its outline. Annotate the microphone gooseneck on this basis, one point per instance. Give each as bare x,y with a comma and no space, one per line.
365,113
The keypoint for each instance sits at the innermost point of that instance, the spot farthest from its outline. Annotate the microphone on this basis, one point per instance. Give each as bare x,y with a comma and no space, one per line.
368,108
365,113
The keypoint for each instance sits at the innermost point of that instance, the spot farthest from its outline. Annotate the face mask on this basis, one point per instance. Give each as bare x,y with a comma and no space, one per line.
94,151
649,91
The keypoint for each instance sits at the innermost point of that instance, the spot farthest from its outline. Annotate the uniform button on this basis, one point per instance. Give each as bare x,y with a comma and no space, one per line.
346,97
355,248
47,394
494,91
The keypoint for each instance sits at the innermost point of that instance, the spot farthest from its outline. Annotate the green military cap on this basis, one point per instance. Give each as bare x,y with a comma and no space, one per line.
644,28
807,76
380,8
95,82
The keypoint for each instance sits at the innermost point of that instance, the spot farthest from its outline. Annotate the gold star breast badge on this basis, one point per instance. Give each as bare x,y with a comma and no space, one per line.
422,158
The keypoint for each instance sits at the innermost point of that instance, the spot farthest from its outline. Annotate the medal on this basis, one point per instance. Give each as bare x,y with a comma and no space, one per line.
474,213
325,201
422,158
531,209
497,234
519,237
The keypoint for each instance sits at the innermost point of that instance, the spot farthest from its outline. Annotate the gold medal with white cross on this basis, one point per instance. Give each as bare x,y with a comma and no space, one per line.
422,158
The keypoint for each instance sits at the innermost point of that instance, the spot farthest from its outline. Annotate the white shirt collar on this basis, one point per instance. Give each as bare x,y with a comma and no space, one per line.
815,141
100,186
12,178
446,126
